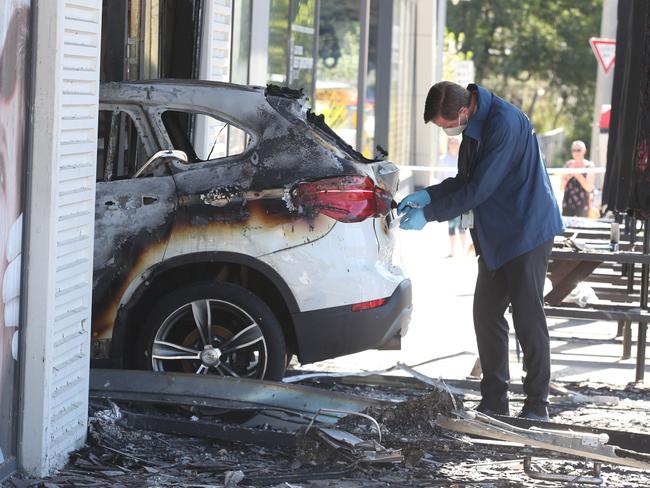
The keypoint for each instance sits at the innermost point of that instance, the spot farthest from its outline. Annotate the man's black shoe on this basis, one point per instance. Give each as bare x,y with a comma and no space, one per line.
534,412
493,408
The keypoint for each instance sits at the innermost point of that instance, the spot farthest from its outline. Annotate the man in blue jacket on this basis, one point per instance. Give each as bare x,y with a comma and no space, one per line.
505,198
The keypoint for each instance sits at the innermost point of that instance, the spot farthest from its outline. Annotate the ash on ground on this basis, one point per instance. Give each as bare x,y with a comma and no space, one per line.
415,416
119,456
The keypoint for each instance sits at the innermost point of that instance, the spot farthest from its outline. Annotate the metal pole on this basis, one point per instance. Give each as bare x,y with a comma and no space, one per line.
604,83
643,326
382,86
362,84
629,269
626,325
440,38
289,43
315,55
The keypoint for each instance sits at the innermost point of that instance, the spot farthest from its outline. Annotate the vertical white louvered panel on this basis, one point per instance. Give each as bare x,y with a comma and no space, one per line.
59,244
78,86
215,66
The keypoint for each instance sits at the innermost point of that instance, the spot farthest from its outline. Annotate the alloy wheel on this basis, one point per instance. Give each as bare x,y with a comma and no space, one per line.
210,336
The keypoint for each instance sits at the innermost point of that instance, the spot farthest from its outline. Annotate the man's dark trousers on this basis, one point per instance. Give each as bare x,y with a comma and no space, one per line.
520,282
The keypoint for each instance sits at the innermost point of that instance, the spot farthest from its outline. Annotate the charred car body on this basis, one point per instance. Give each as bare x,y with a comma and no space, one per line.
234,229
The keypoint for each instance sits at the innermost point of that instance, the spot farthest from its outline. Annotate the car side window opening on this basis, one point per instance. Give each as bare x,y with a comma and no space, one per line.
120,149
204,137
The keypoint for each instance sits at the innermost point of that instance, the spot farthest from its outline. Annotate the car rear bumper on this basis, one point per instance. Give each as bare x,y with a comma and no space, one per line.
331,332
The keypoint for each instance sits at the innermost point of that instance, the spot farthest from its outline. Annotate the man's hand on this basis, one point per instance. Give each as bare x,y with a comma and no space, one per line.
413,219
418,199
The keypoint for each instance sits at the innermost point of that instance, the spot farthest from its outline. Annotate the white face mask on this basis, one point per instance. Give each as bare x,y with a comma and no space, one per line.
455,131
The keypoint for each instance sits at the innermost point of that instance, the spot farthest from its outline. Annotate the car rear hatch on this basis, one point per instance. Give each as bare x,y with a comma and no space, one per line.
364,189
385,173
376,179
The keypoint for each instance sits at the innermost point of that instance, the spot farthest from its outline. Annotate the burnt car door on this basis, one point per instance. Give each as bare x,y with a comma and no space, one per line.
218,210
134,213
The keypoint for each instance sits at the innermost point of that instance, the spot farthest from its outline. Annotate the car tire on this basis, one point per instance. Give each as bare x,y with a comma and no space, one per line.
244,338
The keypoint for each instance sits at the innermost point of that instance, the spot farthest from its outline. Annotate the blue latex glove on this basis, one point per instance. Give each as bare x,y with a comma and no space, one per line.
413,219
417,199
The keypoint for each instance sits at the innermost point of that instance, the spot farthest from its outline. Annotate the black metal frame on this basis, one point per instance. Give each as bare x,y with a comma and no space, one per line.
624,314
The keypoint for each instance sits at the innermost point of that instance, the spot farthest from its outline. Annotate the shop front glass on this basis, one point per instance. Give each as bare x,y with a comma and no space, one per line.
14,53
368,140
400,134
239,62
292,42
241,41
302,42
337,73
338,66
278,42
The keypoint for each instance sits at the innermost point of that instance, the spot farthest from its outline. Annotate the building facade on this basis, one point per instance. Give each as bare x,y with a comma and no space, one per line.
365,64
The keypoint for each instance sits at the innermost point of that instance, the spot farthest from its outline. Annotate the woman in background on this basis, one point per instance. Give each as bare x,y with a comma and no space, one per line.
577,186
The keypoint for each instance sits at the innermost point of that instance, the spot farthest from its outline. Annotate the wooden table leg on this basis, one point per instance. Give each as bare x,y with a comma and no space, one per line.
627,339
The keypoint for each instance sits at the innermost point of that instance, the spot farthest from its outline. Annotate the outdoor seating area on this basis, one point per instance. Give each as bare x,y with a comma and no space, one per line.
616,274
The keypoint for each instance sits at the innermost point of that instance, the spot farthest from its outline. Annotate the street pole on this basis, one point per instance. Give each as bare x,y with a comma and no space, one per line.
427,61
604,83
362,75
440,37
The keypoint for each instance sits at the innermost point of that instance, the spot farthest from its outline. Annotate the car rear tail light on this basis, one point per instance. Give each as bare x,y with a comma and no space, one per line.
344,198
358,307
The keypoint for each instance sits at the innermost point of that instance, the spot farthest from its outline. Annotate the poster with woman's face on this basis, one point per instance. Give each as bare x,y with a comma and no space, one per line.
14,24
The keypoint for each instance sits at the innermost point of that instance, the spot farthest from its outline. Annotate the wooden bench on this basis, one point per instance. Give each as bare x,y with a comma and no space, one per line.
614,278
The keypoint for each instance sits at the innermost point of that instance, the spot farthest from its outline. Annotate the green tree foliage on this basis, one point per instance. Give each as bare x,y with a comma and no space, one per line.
535,54
453,53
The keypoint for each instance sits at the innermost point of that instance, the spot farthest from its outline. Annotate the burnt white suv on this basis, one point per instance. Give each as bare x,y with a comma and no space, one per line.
234,229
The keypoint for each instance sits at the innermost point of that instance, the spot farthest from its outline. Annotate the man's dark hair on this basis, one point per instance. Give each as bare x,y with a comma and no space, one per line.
445,99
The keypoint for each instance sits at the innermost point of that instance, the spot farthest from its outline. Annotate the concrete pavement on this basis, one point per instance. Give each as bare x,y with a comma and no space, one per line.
442,326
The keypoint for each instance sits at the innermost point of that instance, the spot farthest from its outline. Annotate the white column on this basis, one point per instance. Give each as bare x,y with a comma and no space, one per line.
426,65
259,59
59,238
604,84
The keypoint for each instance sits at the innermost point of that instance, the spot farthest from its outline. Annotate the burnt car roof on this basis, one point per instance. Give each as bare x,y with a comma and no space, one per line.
116,91
200,95
231,100
182,82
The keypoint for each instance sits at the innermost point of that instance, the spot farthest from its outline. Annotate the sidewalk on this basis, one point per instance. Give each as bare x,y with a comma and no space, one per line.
442,325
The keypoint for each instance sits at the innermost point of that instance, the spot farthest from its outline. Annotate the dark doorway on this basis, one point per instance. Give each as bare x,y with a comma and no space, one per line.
114,41
180,34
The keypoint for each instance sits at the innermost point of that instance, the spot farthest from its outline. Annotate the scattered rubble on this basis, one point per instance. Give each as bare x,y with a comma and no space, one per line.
412,417
409,449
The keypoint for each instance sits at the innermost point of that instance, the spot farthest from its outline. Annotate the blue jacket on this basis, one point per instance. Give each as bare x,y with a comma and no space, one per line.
515,209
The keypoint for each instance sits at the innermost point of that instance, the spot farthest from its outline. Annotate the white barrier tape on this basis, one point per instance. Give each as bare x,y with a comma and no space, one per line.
561,171
447,169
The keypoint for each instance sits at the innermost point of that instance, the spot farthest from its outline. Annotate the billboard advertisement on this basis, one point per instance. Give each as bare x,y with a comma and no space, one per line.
14,54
